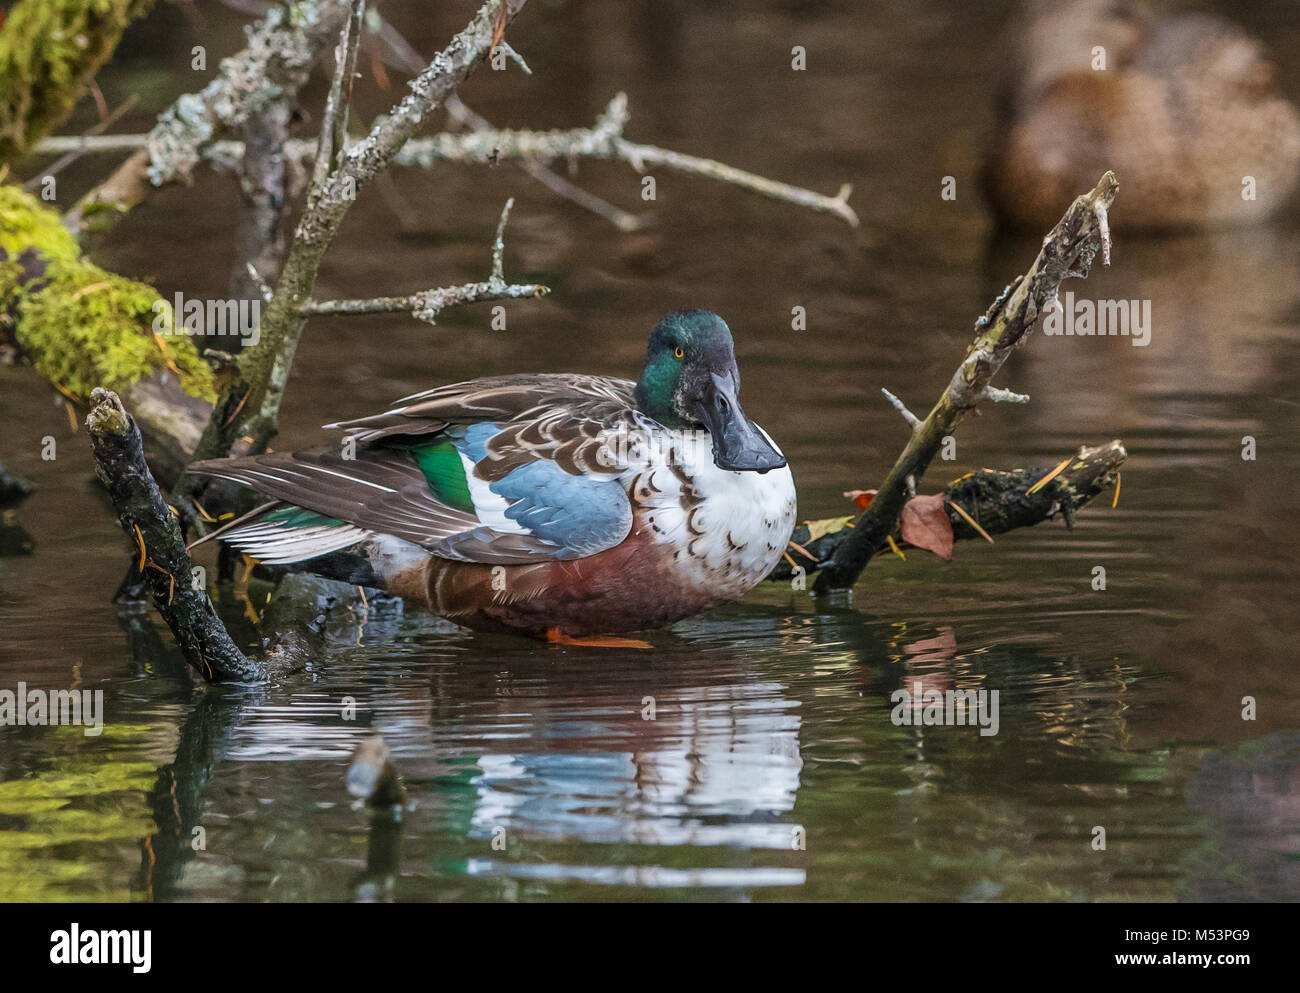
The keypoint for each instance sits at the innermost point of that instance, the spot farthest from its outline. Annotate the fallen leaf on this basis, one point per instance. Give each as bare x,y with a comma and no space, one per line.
817,529
925,524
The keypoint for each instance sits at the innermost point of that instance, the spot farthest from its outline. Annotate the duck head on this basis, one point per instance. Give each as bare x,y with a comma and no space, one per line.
690,382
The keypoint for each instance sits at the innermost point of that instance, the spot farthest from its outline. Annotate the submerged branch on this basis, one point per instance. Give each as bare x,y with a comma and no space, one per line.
995,500
1067,251
163,562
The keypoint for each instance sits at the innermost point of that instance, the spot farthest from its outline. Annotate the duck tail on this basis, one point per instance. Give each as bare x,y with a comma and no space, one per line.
279,533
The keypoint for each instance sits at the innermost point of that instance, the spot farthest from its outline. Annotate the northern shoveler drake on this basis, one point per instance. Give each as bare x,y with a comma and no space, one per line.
561,506
1184,107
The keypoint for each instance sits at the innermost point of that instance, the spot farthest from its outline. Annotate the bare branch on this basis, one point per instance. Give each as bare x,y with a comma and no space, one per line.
499,242
1067,251
995,394
913,421
263,199
462,115
533,149
426,305
79,147
334,121
605,141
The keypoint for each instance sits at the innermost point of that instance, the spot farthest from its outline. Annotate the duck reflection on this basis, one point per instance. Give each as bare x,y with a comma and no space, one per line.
729,761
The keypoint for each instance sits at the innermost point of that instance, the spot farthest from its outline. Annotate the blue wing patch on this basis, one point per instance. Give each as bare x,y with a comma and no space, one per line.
568,517
581,514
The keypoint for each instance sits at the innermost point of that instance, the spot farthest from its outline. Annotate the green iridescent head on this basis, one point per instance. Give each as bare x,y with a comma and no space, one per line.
690,382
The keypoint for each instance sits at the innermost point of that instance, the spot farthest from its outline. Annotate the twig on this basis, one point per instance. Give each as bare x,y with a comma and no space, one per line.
1067,251
995,395
605,141
76,151
334,120
499,242
144,517
426,305
912,419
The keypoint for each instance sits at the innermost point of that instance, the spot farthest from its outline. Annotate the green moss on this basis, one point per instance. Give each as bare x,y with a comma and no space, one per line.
49,49
26,223
82,326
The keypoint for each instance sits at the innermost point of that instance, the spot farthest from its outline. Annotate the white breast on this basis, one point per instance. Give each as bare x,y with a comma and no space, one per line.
729,529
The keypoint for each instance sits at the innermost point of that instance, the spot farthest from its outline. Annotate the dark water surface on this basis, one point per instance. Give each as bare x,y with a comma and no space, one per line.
772,770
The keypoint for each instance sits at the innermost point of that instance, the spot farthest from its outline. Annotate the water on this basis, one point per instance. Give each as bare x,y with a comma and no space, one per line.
771,769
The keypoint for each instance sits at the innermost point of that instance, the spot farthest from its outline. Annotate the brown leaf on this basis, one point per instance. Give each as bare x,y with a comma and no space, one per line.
861,498
925,524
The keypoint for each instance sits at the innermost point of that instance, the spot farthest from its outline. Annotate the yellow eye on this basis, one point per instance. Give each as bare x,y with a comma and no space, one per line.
678,352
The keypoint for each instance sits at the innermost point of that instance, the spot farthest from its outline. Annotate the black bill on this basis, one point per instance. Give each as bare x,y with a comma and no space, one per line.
737,444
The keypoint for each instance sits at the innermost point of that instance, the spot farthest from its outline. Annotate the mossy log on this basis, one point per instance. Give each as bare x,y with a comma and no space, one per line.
84,327
49,51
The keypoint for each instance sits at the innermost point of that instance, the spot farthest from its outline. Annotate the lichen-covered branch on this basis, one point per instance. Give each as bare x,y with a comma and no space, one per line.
998,501
623,220
1067,251
49,51
427,304
334,120
604,141
250,405
163,562
263,198
281,50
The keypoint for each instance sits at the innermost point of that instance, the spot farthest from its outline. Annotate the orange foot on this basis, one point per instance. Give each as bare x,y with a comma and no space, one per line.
557,637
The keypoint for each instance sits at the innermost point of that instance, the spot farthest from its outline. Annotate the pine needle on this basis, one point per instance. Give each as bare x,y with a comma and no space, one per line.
969,520
799,548
144,555
1050,476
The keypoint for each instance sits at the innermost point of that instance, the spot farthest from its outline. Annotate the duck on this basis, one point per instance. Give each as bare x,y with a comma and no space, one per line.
1185,108
561,506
